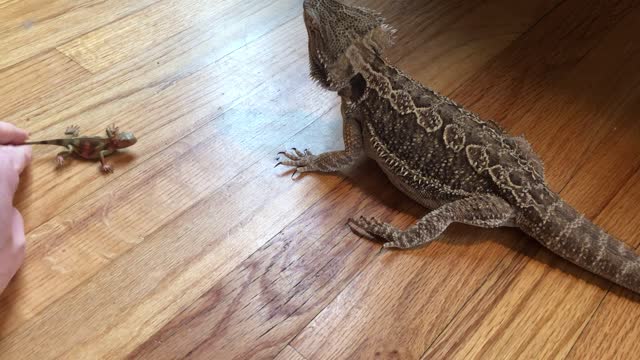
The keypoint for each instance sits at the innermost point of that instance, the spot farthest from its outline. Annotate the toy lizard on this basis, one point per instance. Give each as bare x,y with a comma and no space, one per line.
90,147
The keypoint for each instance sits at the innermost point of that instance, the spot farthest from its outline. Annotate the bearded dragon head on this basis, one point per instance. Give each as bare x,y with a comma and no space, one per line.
335,30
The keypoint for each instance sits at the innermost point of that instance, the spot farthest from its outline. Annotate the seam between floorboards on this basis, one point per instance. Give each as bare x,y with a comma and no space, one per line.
332,300
588,322
294,350
66,41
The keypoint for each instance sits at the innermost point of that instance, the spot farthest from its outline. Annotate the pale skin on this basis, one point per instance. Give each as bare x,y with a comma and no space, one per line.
13,159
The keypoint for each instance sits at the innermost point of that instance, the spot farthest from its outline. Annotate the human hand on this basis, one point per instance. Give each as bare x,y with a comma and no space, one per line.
13,159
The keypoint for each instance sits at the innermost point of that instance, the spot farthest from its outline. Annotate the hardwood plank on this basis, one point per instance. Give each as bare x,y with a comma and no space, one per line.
519,89
469,40
36,81
31,27
450,41
113,43
289,353
370,329
396,307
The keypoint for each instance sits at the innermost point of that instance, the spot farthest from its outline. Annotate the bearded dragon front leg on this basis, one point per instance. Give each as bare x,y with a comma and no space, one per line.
106,168
487,211
333,160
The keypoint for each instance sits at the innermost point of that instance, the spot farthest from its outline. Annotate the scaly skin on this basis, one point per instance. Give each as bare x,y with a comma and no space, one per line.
464,168
91,148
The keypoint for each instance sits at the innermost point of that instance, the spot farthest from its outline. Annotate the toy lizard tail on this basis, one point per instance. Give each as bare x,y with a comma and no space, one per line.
58,142
570,235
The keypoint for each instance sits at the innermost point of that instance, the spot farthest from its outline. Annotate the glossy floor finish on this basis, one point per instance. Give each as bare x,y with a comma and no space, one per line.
197,247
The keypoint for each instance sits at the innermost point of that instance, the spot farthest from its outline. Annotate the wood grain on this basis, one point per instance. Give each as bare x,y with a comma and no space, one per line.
33,26
36,82
289,353
198,248
112,43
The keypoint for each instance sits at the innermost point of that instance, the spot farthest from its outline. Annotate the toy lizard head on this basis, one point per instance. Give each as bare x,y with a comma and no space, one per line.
125,139
334,28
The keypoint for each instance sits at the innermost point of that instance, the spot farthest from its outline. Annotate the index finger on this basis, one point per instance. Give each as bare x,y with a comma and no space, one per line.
10,134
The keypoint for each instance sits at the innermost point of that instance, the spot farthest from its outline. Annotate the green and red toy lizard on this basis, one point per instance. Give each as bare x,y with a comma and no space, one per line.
90,147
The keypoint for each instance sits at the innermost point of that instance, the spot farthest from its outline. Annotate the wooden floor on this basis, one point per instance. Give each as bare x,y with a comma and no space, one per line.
197,247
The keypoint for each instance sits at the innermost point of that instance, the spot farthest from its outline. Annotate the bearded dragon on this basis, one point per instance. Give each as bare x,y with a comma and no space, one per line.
91,148
464,168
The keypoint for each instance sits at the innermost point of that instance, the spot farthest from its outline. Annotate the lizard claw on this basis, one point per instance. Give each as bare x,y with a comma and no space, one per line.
301,161
59,162
107,169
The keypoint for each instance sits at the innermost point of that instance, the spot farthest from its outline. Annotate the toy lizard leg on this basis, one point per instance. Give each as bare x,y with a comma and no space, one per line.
63,155
487,211
329,161
106,168
72,131
112,131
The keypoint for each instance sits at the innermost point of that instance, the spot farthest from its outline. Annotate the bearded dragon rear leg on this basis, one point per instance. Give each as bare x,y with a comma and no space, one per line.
487,211
72,131
106,168
63,155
